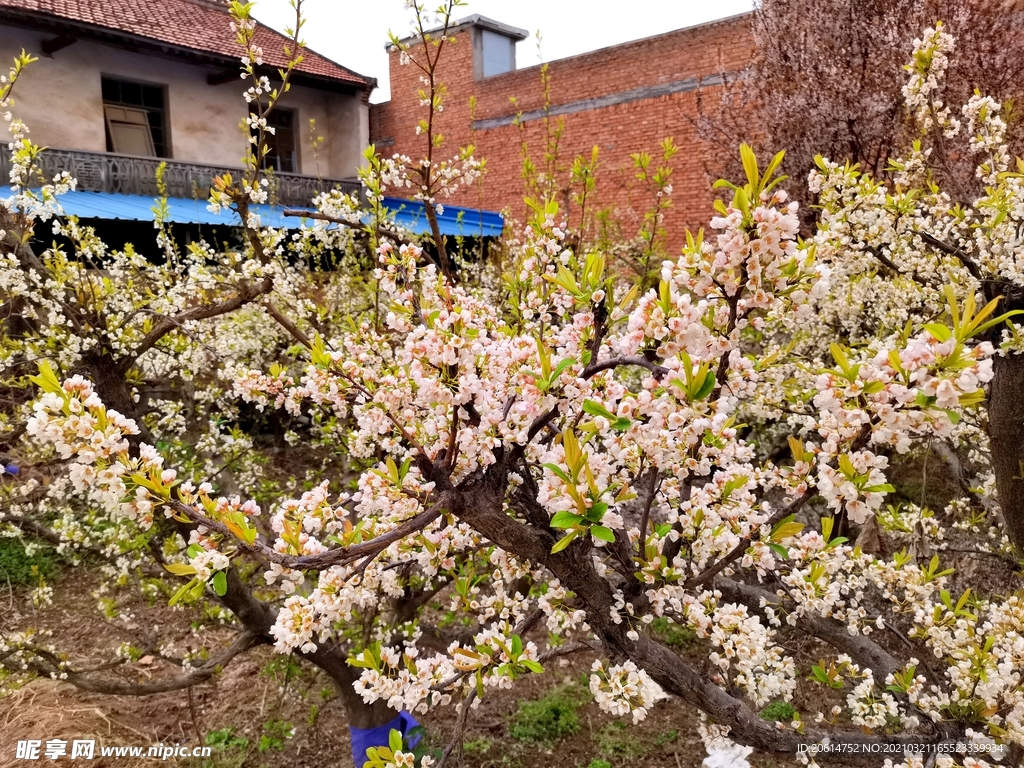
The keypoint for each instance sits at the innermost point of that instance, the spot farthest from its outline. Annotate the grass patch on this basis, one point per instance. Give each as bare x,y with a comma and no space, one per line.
615,741
275,734
229,750
20,568
666,738
672,634
781,711
481,745
599,764
551,718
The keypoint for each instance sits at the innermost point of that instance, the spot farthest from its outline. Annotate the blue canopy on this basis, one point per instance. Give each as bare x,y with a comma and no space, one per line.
410,214
181,210
452,221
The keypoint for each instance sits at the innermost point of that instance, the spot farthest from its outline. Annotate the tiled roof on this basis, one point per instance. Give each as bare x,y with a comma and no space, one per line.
200,25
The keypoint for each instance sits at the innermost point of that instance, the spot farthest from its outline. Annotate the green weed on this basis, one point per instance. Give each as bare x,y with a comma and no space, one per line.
781,711
18,567
550,718
275,734
615,741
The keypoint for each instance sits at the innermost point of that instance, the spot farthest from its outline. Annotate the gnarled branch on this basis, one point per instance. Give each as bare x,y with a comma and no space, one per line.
47,663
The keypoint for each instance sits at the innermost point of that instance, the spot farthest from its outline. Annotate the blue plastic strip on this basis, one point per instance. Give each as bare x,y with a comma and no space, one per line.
180,210
410,214
364,738
453,221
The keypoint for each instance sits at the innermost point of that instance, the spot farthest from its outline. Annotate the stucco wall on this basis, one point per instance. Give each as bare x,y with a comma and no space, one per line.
60,100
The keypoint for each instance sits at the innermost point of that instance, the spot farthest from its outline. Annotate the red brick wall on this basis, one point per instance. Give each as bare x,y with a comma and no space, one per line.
618,130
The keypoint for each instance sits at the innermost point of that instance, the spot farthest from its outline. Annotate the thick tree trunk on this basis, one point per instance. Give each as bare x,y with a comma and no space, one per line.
110,384
1006,435
1006,418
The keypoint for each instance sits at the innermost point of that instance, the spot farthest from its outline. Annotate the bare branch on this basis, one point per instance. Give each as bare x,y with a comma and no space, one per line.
47,663
617,362
288,325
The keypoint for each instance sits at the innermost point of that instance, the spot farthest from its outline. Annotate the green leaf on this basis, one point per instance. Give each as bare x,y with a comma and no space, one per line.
180,594
749,164
705,388
779,550
559,368
566,520
846,467
939,331
180,569
774,165
47,379
839,355
220,583
558,472
564,542
603,533
594,408
787,529
883,488
395,740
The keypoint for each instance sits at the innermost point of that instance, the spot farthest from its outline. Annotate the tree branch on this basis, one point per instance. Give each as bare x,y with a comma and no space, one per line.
616,362
887,262
380,231
198,675
952,250
339,556
247,293
709,573
288,325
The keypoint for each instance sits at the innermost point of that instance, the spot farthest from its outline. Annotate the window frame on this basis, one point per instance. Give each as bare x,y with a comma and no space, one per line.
112,123
295,156
482,36
164,112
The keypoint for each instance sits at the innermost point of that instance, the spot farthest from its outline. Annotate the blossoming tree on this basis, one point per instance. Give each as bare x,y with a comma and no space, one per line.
582,456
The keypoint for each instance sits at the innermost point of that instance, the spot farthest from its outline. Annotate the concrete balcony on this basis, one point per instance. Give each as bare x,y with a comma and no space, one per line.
133,175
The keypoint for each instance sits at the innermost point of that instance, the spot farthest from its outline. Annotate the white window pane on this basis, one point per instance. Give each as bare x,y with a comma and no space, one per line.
498,52
129,131
131,139
126,115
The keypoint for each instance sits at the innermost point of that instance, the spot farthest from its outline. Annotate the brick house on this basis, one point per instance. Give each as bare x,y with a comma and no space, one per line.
623,99
121,85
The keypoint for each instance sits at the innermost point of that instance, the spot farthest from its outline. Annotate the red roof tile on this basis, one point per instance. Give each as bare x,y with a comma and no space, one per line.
201,25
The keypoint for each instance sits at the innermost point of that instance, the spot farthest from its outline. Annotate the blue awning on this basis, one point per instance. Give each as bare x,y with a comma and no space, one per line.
453,220
181,210
410,214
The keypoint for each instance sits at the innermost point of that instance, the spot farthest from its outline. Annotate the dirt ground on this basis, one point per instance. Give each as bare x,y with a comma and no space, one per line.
265,712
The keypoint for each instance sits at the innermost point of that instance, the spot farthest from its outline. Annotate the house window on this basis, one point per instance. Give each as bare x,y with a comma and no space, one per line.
499,53
136,118
281,143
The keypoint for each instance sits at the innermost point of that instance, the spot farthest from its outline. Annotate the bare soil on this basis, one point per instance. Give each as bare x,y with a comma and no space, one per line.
265,721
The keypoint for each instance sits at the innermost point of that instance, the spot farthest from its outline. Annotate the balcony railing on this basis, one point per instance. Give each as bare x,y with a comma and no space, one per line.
133,175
